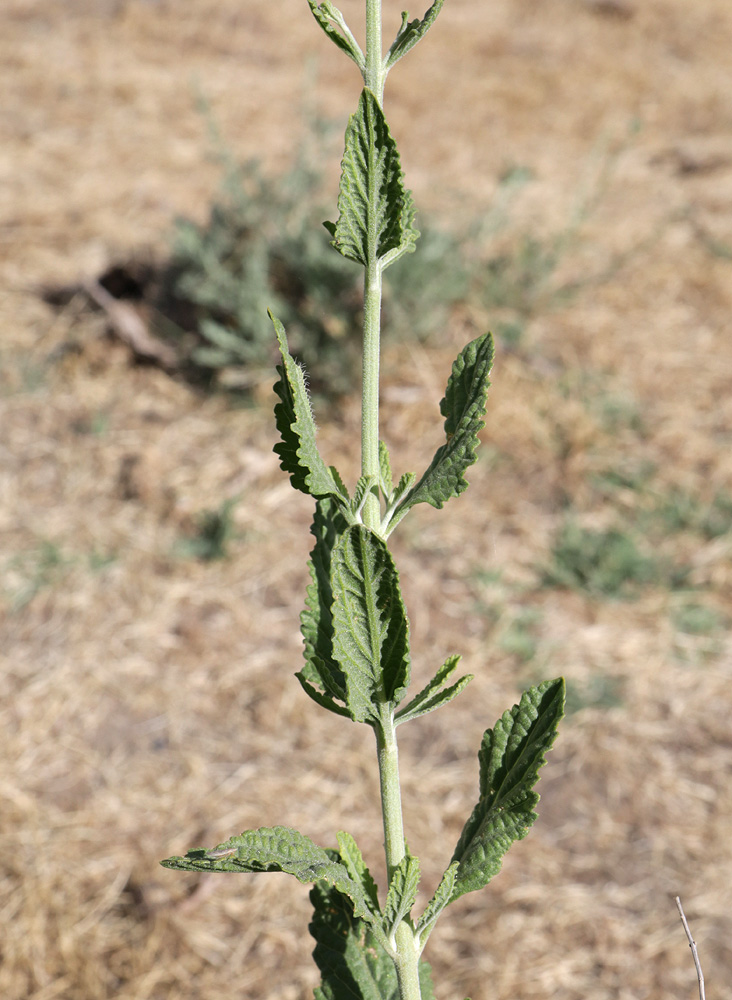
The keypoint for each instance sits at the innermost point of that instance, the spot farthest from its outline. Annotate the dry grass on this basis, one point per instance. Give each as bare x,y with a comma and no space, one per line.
147,701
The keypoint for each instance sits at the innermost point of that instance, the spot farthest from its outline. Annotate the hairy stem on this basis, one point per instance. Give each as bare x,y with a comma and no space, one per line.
370,389
407,963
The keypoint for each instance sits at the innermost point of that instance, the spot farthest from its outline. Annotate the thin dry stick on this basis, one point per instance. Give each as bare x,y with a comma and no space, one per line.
692,945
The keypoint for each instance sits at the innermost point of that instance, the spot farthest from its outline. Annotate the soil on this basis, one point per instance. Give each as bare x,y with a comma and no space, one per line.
147,697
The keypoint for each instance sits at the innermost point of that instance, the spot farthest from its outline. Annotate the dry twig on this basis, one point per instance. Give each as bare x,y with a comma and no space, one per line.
692,945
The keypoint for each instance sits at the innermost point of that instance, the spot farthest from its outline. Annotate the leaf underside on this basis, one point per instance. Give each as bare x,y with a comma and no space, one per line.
411,32
278,849
352,962
376,210
510,757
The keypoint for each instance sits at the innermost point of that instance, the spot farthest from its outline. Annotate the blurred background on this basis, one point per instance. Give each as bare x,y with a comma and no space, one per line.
165,171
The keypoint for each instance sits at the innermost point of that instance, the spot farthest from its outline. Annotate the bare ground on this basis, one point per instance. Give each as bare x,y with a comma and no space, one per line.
147,700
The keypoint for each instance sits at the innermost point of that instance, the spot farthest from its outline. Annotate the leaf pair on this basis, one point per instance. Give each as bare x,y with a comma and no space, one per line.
333,23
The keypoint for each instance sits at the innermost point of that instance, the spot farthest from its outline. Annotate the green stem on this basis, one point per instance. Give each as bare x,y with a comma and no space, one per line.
374,75
407,963
370,389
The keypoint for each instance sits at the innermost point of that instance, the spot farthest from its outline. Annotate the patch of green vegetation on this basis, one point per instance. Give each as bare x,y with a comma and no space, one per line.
679,510
214,531
600,691
695,618
605,563
519,638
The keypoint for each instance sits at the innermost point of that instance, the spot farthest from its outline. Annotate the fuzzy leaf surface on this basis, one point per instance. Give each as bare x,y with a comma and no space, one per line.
410,32
374,206
370,627
352,858
441,898
510,757
297,450
321,677
334,25
278,849
463,408
353,963
402,892
435,694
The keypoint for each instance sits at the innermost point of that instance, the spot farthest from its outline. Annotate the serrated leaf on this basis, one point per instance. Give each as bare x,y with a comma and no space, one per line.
297,451
410,234
354,964
385,480
434,695
278,849
370,627
375,207
322,678
402,892
510,757
410,32
334,25
463,408
352,859
441,898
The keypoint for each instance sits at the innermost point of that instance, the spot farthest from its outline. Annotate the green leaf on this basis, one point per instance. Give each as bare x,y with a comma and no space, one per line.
278,849
510,757
410,234
434,695
298,452
322,678
410,32
463,408
376,210
370,627
327,15
353,861
402,893
354,964
441,898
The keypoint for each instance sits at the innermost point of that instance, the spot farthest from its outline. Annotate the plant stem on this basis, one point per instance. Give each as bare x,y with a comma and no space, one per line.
407,963
370,388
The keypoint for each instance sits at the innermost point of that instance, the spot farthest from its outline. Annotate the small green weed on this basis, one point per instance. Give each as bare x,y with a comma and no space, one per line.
519,638
603,563
599,691
214,532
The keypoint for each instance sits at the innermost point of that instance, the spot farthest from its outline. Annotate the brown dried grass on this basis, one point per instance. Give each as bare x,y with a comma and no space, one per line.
148,703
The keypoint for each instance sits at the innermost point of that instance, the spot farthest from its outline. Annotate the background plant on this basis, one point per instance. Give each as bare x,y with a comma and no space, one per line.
355,626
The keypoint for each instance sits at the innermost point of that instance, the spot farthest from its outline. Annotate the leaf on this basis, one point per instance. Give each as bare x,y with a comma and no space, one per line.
463,407
410,234
434,695
370,627
375,209
321,671
298,452
278,849
352,859
510,757
327,15
353,963
385,480
402,892
437,904
410,32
